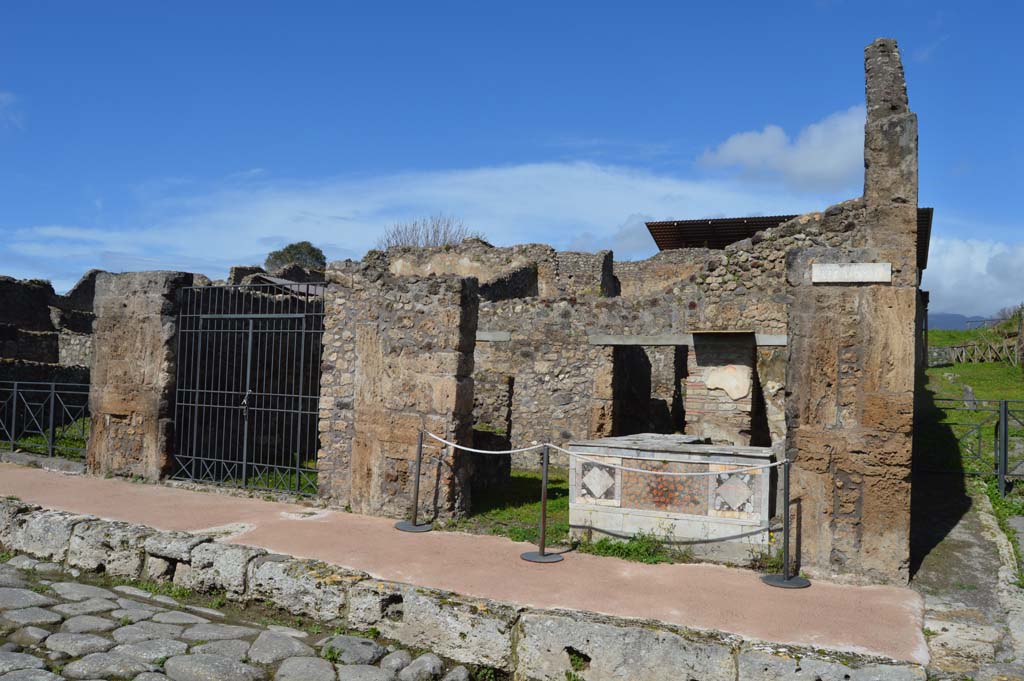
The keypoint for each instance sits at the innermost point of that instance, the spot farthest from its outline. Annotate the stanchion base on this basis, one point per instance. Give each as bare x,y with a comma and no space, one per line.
407,526
794,582
538,557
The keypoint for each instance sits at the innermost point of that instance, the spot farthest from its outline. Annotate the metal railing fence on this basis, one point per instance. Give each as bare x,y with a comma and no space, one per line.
972,437
48,419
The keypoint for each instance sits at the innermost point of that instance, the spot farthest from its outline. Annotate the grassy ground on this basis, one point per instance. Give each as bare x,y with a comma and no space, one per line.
69,443
998,332
948,431
514,510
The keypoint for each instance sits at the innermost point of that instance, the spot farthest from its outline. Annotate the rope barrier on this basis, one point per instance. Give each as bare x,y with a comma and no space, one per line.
581,457
481,451
679,474
785,580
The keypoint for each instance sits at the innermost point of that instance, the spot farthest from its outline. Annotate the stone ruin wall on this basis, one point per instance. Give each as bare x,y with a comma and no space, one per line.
565,387
43,335
131,395
398,358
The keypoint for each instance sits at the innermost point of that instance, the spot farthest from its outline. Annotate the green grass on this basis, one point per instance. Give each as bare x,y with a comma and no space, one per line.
69,443
643,547
514,510
282,480
1004,509
947,433
983,334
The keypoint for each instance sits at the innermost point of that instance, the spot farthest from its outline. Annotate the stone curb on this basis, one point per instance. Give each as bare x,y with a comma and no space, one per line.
529,643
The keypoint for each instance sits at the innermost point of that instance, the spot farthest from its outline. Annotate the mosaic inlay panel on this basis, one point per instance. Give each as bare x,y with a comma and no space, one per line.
597,483
669,493
735,494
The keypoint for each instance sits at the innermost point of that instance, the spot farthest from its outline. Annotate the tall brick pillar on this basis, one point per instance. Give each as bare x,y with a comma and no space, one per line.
131,396
850,375
398,357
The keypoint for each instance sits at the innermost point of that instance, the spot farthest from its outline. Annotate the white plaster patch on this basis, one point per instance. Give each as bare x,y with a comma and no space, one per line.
851,273
732,378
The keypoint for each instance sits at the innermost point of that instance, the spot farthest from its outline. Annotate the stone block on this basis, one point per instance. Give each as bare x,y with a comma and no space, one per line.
45,534
302,587
176,546
114,548
473,631
618,649
215,566
764,663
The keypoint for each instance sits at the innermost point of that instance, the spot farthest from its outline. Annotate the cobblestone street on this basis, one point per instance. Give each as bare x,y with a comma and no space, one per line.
60,625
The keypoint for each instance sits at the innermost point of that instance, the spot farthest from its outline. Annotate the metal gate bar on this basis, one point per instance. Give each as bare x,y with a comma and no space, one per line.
249,386
49,419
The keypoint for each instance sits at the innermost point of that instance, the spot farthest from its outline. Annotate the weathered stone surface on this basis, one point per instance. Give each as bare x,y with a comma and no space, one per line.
354,650
233,648
77,645
73,591
131,388
218,566
44,534
396,661
362,672
132,604
426,667
90,606
306,669
458,674
152,649
761,665
13,597
462,629
111,547
215,632
178,617
269,648
302,587
143,631
210,668
34,615
87,624
175,546
388,371
31,675
21,561
131,616
106,666
10,662
617,650
10,577
29,636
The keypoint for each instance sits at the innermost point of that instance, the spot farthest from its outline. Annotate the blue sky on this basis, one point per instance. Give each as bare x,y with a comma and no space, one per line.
195,135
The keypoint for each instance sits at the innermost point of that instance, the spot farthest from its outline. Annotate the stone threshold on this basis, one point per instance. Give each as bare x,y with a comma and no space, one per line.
528,643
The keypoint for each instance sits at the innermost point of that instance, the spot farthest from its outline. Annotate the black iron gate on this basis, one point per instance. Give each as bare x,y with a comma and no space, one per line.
248,386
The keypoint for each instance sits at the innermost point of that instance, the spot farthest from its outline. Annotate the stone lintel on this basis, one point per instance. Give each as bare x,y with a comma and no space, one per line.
851,273
761,339
485,336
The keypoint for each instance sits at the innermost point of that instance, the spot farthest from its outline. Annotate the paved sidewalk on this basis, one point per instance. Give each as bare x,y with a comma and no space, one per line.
885,621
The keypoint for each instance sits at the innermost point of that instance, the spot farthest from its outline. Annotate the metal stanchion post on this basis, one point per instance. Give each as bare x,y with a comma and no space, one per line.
413,525
541,555
785,581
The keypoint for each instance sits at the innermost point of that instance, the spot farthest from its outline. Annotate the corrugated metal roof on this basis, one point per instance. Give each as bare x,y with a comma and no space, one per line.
718,233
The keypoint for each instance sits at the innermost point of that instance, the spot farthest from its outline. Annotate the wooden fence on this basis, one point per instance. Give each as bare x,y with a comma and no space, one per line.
1002,351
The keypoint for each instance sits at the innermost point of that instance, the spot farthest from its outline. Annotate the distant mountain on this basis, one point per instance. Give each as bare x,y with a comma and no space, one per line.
950,321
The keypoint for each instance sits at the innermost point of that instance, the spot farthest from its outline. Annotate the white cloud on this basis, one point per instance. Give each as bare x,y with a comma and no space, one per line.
9,114
974,277
825,156
553,203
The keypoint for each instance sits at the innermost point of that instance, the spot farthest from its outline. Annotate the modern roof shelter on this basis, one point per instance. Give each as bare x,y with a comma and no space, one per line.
717,233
